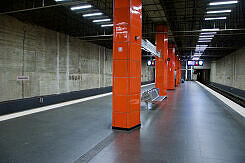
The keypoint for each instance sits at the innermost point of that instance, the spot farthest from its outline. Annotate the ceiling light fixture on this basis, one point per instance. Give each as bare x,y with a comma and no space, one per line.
216,18
208,33
107,25
222,3
195,58
218,11
213,29
81,7
204,41
197,55
206,36
101,20
201,45
93,14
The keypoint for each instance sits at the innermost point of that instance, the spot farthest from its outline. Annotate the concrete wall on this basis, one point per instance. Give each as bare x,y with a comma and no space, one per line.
230,70
54,62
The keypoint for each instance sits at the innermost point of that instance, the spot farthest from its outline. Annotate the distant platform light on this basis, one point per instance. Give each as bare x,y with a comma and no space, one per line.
107,25
195,62
81,7
222,3
218,11
151,63
200,63
101,20
93,14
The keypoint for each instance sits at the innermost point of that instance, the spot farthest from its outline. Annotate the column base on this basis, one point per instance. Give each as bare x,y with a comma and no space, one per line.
126,129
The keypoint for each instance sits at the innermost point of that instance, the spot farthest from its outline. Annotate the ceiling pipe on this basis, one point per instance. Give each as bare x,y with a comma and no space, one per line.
43,7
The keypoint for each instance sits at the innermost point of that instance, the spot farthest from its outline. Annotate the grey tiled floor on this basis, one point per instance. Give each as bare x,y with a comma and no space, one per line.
190,126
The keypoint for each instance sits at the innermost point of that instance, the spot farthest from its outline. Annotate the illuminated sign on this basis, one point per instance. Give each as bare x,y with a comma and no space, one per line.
151,63
195,63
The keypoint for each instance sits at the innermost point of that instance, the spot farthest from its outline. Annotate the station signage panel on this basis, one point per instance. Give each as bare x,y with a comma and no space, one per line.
151,63
195,63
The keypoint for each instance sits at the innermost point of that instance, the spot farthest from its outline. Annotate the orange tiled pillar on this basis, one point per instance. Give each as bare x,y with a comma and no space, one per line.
126,64
180,72
161,62
177,70
171,66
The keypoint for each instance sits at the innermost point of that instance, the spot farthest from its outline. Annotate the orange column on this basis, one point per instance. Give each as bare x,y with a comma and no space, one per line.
180,72
171,66
127,35
177,71
165,59
161,62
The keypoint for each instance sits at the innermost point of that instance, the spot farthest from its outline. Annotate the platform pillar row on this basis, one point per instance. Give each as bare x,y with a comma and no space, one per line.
127,35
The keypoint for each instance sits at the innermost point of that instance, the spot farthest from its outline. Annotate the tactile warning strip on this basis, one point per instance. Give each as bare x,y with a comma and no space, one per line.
96,149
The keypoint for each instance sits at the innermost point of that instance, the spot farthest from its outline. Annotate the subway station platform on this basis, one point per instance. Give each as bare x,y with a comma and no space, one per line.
191,125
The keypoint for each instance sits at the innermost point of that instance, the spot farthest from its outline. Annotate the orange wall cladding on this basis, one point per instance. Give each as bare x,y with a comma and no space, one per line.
171,66
161,63
127,63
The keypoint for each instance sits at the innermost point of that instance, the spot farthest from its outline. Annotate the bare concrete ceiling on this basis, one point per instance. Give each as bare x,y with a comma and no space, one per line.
183,17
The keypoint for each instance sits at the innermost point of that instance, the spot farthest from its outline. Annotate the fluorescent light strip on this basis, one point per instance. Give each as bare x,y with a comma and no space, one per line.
204,41
222,3
93,14
81,7
201,45
213,29
207,36
107,25
217,18
195,58
208,33
218,11
101,20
